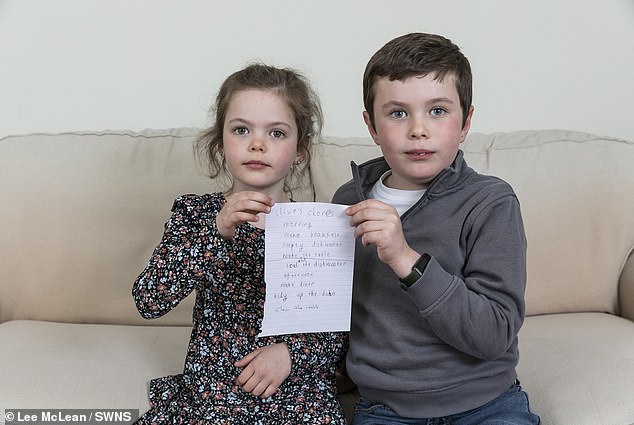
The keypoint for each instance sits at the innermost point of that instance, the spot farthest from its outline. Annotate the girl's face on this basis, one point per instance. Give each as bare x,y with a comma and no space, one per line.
259,142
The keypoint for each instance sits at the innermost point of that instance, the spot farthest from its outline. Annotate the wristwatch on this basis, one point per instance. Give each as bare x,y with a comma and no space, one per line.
417,271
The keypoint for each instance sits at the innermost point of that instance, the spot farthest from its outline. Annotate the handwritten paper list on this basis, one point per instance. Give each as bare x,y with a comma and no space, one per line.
309,260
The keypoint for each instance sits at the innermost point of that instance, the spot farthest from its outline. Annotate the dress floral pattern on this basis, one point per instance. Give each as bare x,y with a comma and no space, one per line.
228,277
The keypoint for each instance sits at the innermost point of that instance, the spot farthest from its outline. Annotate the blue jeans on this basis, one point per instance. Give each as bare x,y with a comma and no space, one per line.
510,408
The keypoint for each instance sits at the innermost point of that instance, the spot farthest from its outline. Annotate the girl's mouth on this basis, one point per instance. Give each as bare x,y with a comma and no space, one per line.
256,164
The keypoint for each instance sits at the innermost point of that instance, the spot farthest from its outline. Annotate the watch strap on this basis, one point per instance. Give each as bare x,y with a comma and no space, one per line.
417,271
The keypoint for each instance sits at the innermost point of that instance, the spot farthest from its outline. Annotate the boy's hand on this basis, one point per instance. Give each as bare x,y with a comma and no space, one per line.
264,370
379,223
241,207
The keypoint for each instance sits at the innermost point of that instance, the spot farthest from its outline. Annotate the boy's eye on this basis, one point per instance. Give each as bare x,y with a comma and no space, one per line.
398,114
277,134
240,131
437,111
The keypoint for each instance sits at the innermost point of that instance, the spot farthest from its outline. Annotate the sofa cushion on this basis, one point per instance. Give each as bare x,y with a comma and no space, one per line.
109,366
93,366
578,368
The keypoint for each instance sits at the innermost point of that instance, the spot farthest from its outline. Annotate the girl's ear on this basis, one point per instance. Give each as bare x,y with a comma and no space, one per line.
221,148
301,156
370,125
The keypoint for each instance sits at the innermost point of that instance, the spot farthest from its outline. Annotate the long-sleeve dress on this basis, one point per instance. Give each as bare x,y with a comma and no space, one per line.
228,277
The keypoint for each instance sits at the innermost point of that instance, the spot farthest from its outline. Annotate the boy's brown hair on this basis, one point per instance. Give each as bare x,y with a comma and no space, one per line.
418,55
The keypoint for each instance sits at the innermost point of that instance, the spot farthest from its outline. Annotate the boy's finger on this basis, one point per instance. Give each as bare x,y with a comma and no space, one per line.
368,204
370,214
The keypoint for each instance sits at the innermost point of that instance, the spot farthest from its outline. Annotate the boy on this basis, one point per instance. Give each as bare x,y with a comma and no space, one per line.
440,269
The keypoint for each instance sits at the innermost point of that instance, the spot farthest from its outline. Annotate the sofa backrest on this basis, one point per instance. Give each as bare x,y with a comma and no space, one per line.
81,213
577,197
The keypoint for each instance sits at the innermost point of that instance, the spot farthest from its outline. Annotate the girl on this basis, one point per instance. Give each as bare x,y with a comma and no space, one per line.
266,120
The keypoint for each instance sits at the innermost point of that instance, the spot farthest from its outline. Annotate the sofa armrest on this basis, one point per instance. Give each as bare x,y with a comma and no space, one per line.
626,289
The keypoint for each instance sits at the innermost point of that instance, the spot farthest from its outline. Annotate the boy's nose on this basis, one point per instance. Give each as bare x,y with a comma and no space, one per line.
418,129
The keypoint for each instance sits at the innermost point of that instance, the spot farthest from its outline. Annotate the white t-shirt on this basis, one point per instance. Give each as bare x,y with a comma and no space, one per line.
400,199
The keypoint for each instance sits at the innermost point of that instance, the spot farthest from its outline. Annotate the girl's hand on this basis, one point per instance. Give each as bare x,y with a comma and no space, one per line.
264,370
241,207
379,223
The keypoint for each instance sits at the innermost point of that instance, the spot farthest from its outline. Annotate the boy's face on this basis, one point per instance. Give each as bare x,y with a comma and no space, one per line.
418,125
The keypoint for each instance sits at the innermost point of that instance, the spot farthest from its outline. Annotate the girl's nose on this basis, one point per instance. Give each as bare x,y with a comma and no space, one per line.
257,144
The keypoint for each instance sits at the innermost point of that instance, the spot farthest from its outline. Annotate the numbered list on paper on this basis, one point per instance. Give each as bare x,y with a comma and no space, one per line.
309,260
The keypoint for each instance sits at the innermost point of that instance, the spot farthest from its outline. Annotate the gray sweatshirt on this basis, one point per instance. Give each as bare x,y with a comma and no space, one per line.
447,344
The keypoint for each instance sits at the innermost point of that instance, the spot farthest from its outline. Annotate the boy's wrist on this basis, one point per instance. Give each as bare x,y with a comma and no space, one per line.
416,272
404,267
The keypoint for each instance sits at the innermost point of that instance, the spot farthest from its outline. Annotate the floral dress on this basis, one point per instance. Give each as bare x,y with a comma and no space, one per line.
228,277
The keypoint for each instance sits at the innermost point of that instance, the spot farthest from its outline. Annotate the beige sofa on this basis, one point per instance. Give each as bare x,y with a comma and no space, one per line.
82,211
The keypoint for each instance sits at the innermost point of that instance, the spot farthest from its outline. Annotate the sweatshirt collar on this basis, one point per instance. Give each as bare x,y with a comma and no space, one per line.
449,179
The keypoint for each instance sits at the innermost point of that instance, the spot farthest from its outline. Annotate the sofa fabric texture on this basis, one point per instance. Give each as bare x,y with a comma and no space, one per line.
82,211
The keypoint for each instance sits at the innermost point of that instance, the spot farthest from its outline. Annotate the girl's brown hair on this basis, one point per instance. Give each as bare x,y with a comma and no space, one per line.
291,86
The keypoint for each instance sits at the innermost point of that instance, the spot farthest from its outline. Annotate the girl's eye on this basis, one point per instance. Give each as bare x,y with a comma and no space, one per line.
437,111
240,131
277,134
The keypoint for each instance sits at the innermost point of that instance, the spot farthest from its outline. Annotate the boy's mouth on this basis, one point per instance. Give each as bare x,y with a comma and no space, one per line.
418,154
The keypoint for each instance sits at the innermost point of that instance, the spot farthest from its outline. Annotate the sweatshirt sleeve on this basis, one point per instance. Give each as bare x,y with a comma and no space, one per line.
481,312
176,266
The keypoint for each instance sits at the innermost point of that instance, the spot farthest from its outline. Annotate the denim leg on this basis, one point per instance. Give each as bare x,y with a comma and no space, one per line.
367,413
510,408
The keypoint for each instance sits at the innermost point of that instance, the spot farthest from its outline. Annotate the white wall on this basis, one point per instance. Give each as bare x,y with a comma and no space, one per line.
133,64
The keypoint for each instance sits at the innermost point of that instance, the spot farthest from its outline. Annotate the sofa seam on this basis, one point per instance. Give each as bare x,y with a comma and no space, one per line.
130,133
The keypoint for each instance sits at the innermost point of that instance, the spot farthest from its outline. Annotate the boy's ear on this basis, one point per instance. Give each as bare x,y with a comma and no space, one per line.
370,125
467,125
